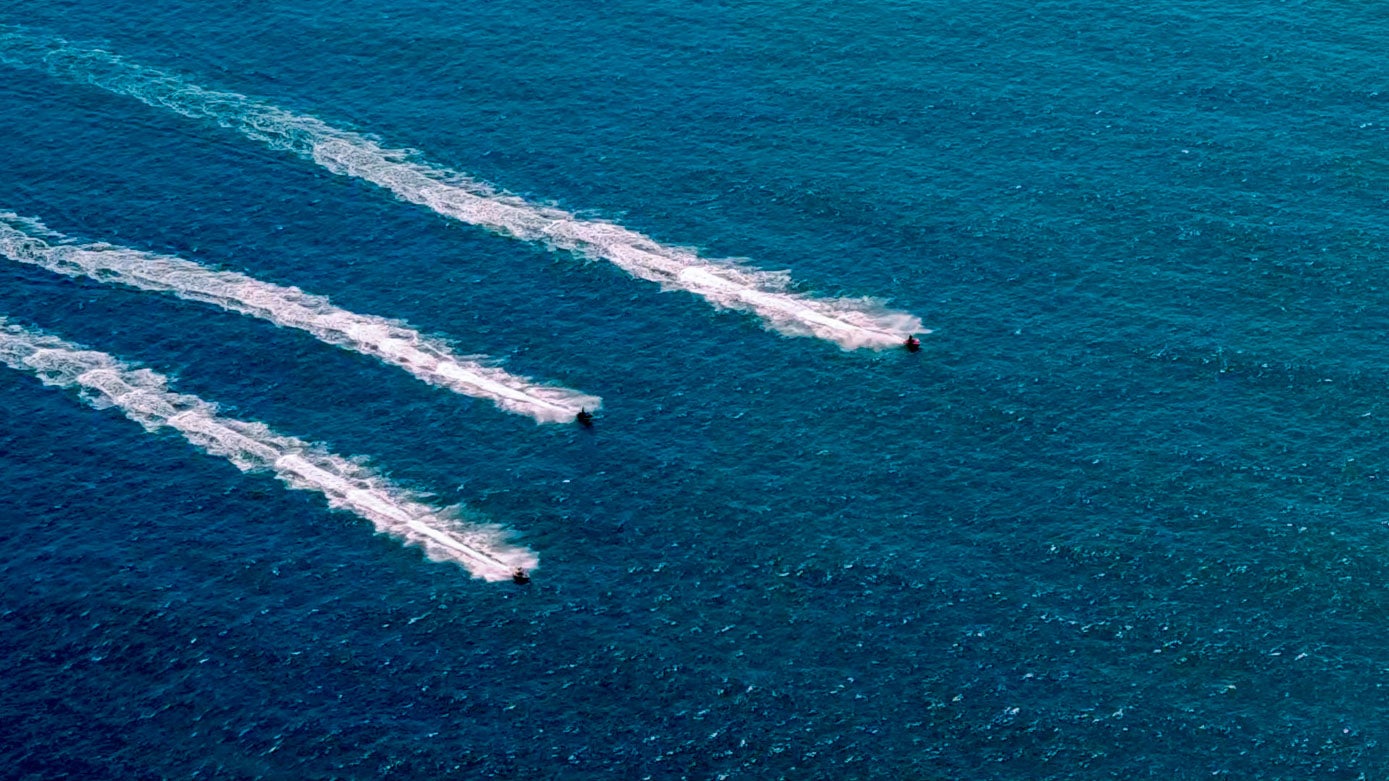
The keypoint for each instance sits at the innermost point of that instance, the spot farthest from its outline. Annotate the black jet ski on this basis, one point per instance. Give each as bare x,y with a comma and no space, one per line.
584,418
519,576
912,344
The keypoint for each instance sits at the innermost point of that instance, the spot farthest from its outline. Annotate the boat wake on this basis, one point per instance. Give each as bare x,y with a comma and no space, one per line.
850,322
144,397
394,342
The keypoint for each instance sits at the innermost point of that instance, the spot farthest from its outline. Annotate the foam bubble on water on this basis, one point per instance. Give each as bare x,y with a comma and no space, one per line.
432,360
849,322
145,398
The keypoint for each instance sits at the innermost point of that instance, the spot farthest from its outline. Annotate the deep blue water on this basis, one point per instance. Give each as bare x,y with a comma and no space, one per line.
1122,517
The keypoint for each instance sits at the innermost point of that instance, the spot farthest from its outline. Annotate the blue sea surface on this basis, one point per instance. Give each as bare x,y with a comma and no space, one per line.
1123,516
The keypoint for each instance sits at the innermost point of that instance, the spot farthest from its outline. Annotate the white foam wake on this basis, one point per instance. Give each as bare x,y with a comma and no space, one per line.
431,360
850,322
144,397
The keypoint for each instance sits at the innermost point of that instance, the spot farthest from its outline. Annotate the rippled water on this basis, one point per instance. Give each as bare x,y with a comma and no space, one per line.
1120,517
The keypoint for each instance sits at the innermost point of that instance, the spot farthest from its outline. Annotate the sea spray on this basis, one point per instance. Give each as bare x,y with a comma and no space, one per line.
144,397
849,322
391,341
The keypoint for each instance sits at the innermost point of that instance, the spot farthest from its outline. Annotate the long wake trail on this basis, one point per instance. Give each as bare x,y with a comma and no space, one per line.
28,241
144,397
849,322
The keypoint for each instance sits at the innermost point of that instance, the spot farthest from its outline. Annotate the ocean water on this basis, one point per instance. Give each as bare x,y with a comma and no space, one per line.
1123,516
